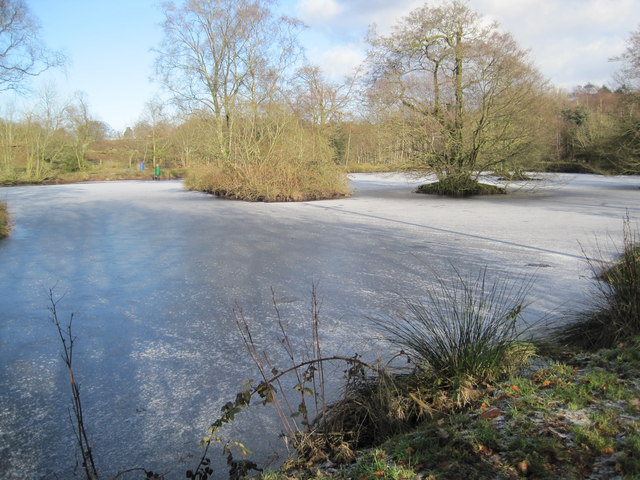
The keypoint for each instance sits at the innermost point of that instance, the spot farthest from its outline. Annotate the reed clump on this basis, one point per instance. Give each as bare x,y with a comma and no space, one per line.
613,314
5,226
276,159
464,331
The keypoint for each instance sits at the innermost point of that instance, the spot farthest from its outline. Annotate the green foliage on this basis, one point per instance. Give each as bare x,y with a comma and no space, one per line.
568,167
524,428
378,464
578,115
466,331
339,143
614,315
599,132
66,161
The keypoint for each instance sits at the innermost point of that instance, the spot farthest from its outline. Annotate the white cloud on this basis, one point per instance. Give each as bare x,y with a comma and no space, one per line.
341,60
570,40
318,11
608,12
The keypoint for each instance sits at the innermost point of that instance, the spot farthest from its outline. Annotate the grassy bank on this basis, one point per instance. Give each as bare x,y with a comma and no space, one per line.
573,419
4,220
479,403
94,175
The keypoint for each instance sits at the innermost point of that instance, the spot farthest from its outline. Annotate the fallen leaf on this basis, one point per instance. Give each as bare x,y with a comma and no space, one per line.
546,383
492,413
607,451
524,466
485,450
379,473
484,406
515,388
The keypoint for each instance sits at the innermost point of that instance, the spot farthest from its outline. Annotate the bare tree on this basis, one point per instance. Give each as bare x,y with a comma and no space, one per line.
189,140
629,75
22,53
8,142
44,134
153,128
226,61
83,128
625,143
468,88
222,55
317,99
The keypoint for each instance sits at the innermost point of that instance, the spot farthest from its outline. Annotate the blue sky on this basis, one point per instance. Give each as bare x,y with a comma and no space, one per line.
109,43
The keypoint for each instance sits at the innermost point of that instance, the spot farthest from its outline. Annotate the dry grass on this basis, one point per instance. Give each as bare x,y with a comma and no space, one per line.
277,160
277,181
96,174
613,316
5,227
375,407
366,167
461,339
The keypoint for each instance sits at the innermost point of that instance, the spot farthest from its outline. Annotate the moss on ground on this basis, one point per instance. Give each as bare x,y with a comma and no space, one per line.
453,188
570,420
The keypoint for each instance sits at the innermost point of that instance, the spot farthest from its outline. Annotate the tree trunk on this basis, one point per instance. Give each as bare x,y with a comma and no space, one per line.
458,124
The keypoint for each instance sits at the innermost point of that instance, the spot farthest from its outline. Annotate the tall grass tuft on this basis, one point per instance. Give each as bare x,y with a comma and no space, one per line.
613,315
4,220
466,331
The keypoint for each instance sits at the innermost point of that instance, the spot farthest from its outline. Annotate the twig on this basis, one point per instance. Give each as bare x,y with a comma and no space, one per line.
68,340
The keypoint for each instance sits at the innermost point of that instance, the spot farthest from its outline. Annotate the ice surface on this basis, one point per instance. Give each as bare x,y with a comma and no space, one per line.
153,272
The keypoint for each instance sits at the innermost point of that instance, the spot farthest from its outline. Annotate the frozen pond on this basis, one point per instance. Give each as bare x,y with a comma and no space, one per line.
152,273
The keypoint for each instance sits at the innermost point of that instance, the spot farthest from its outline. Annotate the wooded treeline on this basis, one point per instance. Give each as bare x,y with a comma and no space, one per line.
248,117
